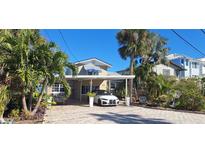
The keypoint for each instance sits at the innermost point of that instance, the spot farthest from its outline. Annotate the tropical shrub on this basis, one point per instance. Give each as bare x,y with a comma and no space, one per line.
91,94
4,99
14,114
158,85
47,101
191,97
120,90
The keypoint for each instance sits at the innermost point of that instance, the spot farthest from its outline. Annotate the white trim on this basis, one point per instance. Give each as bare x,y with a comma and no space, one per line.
105,77
126,87
79,62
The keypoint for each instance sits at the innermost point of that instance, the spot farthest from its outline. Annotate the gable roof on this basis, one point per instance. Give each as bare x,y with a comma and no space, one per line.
86,61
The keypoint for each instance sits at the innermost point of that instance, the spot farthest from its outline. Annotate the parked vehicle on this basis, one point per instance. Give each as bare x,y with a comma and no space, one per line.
105,98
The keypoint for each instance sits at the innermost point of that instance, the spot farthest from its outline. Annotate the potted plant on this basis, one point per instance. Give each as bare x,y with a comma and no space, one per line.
91,96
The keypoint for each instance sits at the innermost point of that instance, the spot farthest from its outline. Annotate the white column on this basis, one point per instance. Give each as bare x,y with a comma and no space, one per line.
81,81
109,85
125,87
91,85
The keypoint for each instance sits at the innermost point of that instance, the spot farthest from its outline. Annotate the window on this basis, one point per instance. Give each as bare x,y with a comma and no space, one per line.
86,89
68,71
92,72
187,62
194,64
61,88
57,88
182,61
166,72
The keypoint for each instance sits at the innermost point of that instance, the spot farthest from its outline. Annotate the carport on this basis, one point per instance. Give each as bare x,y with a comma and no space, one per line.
92,78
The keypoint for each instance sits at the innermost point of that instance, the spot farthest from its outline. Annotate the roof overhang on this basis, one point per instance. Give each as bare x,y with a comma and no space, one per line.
93,59
177,66
100,77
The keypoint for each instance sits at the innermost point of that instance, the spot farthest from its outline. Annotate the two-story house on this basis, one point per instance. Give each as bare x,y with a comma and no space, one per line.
92,75
192,67
171,69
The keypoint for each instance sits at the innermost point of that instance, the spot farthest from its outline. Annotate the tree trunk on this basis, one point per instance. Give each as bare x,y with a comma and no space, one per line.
30,99
40,98
132,60
1,118
24,102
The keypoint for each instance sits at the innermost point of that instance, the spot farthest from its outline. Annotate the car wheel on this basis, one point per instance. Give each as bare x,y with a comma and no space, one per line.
99,102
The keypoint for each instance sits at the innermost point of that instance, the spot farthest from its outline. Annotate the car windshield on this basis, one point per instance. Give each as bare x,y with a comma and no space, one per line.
102,92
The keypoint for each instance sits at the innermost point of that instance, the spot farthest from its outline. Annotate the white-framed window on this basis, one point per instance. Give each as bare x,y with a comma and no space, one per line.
57,88
86,89
68,71
194,65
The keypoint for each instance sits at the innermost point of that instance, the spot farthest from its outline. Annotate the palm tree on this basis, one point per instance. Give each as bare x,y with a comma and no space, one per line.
132,45
156,52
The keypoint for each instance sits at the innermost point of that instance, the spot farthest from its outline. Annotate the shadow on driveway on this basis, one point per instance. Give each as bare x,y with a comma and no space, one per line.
128,119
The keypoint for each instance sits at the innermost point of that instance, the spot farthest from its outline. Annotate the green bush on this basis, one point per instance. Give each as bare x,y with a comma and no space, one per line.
91,94
4,99
191,97
47,104
14,114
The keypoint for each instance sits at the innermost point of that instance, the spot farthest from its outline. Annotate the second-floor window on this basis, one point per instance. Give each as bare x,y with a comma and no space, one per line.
194,65
92,72
68,71
182,61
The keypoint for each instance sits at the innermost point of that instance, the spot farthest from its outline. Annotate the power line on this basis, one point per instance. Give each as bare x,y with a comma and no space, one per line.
202,31
61,34
195,48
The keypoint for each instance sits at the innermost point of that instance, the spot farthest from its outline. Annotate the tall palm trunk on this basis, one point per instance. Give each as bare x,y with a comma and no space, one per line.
132,60
40,98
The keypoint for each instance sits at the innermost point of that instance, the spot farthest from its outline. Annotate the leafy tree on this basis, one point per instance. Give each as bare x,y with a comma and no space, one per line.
32,61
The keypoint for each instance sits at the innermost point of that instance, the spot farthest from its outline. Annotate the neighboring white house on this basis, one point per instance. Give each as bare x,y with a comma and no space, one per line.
165,70
192,67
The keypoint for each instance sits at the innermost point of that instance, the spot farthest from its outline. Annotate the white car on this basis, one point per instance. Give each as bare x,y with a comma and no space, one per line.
105,98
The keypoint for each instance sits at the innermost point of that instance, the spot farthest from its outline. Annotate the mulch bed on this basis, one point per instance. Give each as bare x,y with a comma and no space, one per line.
37,119
29,122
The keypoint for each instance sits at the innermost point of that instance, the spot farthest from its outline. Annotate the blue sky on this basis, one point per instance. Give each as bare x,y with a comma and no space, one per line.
84,44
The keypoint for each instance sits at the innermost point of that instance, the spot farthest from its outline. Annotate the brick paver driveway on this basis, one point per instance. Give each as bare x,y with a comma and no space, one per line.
75,114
